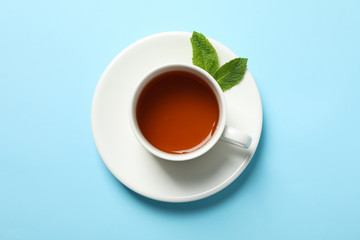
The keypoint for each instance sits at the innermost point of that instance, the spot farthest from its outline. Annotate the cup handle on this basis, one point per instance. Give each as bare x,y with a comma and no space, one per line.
236,137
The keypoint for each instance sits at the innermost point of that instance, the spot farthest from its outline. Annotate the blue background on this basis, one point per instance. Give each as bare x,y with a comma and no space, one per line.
303,182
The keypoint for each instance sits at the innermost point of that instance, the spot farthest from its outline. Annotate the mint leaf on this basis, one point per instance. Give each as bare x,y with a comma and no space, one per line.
204,54
231,73
205,57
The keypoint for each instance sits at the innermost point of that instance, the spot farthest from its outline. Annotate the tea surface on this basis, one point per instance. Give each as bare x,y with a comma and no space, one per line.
177,112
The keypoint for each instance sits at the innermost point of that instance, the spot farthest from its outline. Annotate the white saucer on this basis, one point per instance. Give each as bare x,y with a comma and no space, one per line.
131,163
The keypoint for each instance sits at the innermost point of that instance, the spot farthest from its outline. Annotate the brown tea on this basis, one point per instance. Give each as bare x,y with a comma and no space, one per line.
177,112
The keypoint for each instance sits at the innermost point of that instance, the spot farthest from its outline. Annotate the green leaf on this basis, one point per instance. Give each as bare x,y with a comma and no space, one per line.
204,54
231,73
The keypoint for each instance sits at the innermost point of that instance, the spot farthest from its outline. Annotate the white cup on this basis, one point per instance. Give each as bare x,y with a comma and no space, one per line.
222,131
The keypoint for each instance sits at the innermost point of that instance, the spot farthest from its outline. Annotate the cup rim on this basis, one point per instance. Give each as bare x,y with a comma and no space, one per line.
219,96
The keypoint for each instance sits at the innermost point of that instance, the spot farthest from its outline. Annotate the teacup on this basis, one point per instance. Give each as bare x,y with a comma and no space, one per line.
178,113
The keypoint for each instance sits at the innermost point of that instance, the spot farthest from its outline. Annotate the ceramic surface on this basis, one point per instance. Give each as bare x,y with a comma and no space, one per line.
134,166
